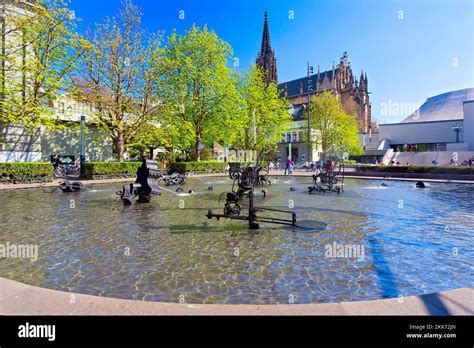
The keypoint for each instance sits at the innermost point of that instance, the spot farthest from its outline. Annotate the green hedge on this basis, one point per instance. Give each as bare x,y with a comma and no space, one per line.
233,165
111,169
26,171
205,166
418,169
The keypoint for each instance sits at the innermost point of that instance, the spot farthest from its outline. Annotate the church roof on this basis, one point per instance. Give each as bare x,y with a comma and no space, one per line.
294,85
443,107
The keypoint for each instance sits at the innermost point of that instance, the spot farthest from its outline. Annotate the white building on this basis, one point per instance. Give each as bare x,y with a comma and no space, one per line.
442,128
19,144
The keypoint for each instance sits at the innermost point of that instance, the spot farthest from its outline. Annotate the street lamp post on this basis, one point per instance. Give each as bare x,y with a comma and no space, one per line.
289,149
457,128
83,147
254,120
310,89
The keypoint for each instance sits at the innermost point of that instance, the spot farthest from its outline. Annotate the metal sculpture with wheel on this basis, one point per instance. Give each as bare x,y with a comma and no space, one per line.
247,179
330,179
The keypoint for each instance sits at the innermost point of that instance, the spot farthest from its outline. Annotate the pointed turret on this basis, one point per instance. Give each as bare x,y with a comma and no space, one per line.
362,80
318,80
266,57
333,76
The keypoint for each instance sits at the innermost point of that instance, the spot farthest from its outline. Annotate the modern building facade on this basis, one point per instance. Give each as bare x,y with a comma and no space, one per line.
442,123
440,132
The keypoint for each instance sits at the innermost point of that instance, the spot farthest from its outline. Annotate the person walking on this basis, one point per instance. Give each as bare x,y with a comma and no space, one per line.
288,164
331,167
55,161
291,167
318,166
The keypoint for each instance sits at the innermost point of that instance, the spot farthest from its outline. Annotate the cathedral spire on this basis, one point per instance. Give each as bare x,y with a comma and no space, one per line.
266,59
266,44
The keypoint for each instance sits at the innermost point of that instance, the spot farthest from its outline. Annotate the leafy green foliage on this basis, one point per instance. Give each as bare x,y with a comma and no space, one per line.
94,169
204,166
180,98
119,77
197,87
26,171
234,165
167,136
334,130
40,50
272,117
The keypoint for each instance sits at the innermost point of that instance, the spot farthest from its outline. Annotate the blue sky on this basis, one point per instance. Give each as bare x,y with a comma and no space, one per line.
410,49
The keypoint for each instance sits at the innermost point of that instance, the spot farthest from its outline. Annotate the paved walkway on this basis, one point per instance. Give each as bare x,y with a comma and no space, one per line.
21,299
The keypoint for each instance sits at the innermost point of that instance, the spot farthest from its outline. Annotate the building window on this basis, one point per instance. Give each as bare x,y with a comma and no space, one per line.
295,137
288,137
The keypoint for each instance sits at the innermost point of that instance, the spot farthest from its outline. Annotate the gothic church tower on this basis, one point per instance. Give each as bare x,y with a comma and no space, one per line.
266,59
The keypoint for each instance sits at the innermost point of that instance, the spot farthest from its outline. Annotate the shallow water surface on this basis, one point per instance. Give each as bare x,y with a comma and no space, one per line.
410,241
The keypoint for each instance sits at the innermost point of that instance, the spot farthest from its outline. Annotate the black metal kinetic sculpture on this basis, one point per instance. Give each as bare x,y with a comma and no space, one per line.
145,185
247,178
328,180
71,186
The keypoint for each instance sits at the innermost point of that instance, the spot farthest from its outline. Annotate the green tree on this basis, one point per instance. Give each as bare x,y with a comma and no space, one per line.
333,129
119,77
166,136
198,87
263,111
39,51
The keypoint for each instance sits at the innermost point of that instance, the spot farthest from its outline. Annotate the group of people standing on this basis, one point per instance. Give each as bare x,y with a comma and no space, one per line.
410,148
315,166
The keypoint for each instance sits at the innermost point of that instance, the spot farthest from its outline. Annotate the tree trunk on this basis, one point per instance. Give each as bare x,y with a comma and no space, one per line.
197,152
324,148
119,147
